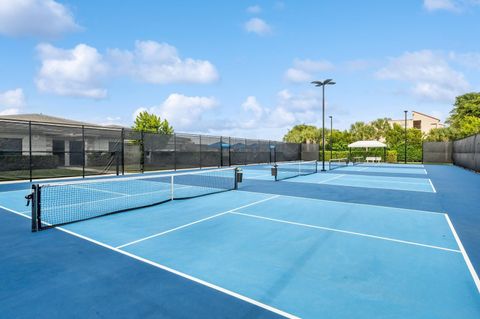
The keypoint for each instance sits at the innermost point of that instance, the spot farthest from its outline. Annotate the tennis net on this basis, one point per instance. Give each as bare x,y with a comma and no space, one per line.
288,170
337,163
62,203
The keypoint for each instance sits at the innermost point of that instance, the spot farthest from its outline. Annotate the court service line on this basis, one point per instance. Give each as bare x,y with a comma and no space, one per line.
195,222
173,271
476,280
347,232
431,184
330,179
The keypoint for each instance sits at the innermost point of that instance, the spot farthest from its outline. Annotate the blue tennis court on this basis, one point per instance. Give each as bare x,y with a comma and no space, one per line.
285,249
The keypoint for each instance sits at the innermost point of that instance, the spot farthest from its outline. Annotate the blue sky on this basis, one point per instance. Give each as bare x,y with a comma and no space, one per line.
239,68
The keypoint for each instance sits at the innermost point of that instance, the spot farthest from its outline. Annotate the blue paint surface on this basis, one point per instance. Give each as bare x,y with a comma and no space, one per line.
366,244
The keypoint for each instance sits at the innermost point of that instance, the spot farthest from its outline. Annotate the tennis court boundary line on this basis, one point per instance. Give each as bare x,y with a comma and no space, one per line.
171,270
348,203
195,222
470,267
347,232
431,184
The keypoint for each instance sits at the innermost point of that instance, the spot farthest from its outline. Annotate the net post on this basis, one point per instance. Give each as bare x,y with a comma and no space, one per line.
35,198
171,188
236,172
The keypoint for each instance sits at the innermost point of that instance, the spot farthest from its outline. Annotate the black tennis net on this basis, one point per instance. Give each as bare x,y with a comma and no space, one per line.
288,170
62,203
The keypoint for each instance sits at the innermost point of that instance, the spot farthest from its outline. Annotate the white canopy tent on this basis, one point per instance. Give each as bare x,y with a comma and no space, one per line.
369,144
366,144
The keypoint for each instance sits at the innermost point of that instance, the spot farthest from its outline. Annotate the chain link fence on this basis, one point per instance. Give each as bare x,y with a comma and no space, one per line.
437,152
33,150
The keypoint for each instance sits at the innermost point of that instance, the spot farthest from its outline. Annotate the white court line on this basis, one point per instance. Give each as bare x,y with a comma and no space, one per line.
195,222
464,254
100,190
348,232
431,184
173,271
329,179
408,210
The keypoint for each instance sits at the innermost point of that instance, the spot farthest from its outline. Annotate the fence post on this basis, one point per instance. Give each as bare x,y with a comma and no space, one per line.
245,150
142,151
174,151
200,153
123,150
229,151
30,149
83,151
221,151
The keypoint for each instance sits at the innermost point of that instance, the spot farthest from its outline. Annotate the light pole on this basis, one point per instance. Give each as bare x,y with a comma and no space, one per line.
322,84
331,138
405,136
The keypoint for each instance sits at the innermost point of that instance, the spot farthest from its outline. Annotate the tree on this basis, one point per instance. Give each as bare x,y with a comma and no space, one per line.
465,105
151,123
442,134
361,131
381,126
303,134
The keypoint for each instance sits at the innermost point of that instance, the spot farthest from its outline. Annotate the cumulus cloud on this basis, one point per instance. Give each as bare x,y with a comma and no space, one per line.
429,74
305,70
11,101
183,112
38,18
160,63
254,9
258,26
73,72
82,71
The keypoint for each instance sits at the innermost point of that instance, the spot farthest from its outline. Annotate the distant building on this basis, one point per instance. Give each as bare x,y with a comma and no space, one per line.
419,121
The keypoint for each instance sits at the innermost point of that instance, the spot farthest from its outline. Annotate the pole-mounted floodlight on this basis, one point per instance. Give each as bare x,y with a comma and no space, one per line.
322,84
405,137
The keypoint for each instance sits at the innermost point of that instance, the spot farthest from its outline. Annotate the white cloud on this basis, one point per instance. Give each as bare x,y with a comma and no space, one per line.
39,18
258,26
11,101
428,73
433,5
254,9
305,70
75,72
160,63
182,112
449,5
81,71
469,60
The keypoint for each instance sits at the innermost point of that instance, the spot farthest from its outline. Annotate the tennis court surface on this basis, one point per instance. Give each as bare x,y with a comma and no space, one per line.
363,241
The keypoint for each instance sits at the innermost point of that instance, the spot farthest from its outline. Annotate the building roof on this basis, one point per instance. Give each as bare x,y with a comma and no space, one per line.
42,118
362,144
426,115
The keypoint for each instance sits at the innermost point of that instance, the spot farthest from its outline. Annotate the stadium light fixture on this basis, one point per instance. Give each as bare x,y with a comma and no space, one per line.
323,84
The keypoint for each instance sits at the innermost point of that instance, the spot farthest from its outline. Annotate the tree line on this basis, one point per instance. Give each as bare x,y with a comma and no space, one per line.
464,120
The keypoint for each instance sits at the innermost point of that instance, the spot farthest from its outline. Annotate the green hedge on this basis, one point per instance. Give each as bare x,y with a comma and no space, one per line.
414,154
